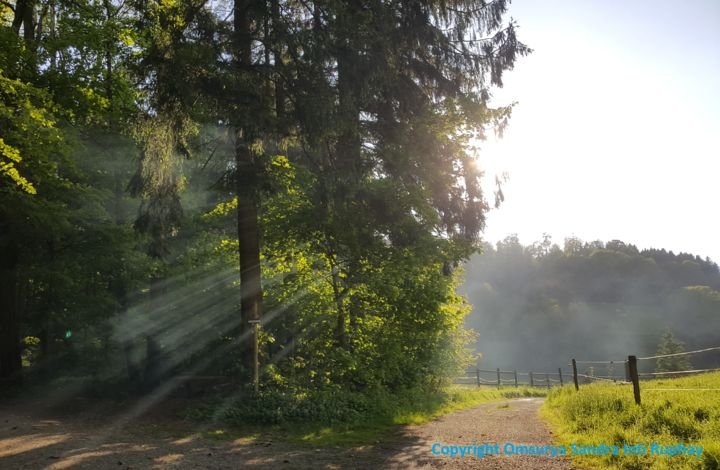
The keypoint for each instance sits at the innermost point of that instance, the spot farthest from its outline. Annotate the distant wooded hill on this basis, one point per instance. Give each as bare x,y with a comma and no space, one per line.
537,306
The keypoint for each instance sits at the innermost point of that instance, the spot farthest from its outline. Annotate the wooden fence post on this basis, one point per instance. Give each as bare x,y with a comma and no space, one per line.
632,366
627,371
478,376
515,373
560,375
532,384
574,366
498,374
547,381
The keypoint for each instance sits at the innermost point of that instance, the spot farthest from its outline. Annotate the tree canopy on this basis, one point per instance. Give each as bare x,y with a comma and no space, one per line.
171,170
539,305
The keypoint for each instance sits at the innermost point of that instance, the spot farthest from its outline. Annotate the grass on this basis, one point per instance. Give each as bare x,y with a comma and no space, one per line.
606,412
415,408
426,407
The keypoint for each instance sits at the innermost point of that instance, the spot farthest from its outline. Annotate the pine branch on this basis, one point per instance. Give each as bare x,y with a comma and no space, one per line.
473,11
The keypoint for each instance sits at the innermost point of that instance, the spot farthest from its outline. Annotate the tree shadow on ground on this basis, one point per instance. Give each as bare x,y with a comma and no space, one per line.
77,433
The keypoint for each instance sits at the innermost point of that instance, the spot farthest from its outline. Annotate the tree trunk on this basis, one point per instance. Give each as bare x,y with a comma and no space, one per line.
152,349
10,346
109,49
46,357
340,333
248,250
19,17
347,157
247,211
129,345
279,85
120,290
29,22
349,140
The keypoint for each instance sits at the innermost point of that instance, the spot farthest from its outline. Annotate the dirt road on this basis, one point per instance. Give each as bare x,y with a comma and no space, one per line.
94,437
515,422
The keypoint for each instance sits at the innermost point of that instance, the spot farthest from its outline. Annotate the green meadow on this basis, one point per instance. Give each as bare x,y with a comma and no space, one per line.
685,410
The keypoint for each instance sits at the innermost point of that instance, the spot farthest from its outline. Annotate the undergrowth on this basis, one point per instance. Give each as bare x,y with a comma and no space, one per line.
341,417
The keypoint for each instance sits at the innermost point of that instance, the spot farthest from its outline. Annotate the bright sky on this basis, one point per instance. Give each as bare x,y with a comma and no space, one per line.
616,134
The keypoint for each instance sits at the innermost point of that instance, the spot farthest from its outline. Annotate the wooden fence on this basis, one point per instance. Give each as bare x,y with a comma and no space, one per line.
628,374
632,375
513,378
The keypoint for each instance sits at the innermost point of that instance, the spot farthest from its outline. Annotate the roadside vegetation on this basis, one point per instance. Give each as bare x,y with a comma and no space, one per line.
686,410
341,417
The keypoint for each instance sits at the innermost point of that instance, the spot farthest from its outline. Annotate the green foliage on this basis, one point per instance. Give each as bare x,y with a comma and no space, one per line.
12,157
159,181
607,413
359,165
344,417
325,407
29,134
670,345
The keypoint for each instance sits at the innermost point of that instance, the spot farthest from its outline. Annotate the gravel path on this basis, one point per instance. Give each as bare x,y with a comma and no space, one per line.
514,421
97,436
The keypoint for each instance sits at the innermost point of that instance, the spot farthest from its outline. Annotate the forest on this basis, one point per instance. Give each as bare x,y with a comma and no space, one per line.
250,234
537,306
181,180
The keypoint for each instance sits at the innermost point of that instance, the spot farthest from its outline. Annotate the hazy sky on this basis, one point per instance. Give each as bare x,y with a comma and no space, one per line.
616,134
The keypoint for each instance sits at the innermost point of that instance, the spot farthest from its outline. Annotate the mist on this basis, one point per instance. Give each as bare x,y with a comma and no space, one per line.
536,307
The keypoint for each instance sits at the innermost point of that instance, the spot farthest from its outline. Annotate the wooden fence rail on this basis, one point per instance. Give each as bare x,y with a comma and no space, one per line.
513,378
547,379
631,371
